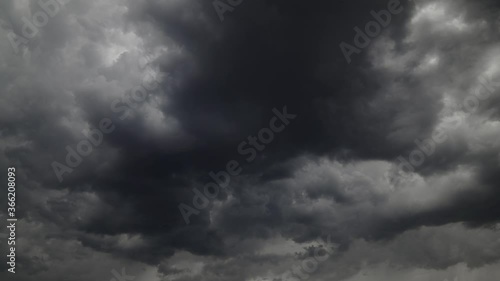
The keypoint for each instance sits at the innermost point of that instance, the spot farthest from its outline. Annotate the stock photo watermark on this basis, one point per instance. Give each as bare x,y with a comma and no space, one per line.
372,29
251,147
427,147
11,218
121,276
94,136
31,27
221,7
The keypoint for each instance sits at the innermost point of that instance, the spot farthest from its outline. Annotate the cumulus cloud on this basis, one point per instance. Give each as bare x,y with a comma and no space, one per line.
181,90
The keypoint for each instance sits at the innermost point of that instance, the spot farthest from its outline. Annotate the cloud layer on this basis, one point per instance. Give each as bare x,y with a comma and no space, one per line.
335,170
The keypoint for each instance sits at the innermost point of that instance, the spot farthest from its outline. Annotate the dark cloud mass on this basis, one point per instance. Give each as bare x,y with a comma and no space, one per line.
393,157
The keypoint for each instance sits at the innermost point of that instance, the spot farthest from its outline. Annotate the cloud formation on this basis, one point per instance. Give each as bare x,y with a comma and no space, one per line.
333,172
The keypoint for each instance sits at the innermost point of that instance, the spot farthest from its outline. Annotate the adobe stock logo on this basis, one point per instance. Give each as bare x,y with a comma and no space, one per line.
94,136
121,276
39,19
221,7
427,147
222,179
372,29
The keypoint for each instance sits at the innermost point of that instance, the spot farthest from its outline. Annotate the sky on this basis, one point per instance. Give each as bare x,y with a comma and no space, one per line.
251,140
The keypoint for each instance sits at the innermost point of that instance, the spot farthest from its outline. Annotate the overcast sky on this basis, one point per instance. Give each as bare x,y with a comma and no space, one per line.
384,156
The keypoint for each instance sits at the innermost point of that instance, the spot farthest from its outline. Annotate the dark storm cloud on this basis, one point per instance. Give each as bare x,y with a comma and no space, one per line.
237,75
332,171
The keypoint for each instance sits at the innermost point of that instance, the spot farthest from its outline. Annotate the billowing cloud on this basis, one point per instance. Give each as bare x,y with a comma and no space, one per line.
115,113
